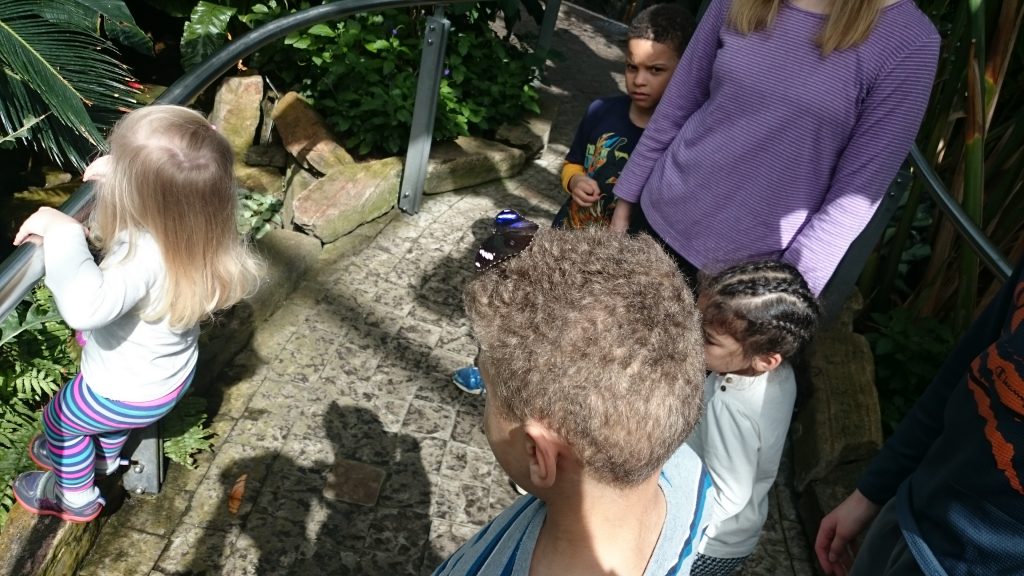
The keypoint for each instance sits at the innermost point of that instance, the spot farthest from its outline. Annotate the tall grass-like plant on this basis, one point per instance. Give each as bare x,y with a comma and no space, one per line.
927,284
61,82
973,134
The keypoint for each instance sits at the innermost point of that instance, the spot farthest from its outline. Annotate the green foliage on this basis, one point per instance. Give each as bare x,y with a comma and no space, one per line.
185,433
258,214
972,135
908,352
36,357
204,32
60,81
360,74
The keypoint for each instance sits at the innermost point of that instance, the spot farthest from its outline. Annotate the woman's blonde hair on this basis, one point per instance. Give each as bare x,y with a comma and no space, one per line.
848,22
172,176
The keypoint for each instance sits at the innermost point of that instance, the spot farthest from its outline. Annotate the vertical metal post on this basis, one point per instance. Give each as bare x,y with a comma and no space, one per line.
421,133
547,25
146,464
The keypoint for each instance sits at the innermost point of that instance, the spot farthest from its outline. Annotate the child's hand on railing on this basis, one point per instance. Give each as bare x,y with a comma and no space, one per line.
36,226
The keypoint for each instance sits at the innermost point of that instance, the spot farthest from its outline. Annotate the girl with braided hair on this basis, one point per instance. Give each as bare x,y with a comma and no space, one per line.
757,318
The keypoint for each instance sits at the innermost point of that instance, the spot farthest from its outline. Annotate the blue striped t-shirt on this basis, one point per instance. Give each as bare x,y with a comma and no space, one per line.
505,546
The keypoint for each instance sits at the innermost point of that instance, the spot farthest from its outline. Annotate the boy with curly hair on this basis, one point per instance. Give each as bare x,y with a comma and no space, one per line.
592,359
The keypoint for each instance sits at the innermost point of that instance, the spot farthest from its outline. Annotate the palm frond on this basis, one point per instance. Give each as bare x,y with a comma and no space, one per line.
54,61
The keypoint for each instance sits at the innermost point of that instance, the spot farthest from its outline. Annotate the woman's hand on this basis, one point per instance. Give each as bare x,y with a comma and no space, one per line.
840,527
620,217
36,226
584,190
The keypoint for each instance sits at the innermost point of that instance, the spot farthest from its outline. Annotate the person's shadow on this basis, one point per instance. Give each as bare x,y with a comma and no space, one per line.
355,500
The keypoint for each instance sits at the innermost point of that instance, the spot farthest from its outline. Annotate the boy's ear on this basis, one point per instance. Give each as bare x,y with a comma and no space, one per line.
543,446
766,362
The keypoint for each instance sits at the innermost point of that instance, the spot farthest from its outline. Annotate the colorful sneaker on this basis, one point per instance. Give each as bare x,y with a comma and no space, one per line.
37,492
468,380
39,452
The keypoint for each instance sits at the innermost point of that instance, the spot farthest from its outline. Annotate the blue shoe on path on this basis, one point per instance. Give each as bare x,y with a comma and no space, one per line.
468,380
37,492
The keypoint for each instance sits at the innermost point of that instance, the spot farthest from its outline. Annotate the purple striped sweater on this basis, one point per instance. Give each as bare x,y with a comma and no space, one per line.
761,148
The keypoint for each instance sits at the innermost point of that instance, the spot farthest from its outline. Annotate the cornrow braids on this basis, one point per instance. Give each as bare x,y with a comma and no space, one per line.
765,305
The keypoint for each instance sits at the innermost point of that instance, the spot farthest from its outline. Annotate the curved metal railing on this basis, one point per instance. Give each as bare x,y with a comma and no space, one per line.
24,267
990,255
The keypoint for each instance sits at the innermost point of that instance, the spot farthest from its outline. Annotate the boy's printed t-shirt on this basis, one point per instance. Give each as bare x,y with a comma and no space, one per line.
505,546
602,145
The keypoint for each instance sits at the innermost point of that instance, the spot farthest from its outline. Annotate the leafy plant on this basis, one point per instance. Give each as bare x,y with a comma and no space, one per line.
972,134
185,433
488,77
211,24
258,214
36,357
928,283
487,80
908,352
61,82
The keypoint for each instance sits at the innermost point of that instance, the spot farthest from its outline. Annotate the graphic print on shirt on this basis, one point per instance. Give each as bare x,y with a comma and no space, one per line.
996,380
603,162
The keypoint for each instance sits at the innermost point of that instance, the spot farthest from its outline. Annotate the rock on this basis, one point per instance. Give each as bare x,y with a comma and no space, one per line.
531,134
823,495
267,155
220,340
236,111
305,136
297,179
469,161
841,421
55,176
347,197
289,256
45,546
260,179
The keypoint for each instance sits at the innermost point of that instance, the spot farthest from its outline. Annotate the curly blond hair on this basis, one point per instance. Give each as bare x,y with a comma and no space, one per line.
595,334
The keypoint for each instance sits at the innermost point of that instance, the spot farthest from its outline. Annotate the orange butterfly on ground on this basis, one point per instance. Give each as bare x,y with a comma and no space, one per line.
236,494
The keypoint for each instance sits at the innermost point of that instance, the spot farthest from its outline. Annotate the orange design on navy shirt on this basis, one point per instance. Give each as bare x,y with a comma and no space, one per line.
1000,369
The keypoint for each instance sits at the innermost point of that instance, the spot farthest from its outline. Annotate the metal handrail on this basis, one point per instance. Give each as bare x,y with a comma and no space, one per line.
963,223
24,267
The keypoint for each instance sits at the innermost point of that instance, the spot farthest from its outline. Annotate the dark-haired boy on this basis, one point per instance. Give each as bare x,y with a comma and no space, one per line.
591,391
612,126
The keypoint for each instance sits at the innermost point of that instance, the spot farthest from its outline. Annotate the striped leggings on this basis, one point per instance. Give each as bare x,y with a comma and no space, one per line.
81,426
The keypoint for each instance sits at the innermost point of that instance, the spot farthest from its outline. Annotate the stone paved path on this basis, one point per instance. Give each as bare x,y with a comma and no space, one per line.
358,454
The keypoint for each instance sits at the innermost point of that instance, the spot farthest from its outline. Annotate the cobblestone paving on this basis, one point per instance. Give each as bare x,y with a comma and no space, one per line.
358,454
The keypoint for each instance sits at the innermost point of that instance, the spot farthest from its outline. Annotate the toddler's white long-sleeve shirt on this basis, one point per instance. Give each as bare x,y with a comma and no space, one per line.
740,438
126,358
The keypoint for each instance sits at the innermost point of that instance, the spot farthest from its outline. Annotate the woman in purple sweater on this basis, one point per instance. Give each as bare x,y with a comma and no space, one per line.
780,131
